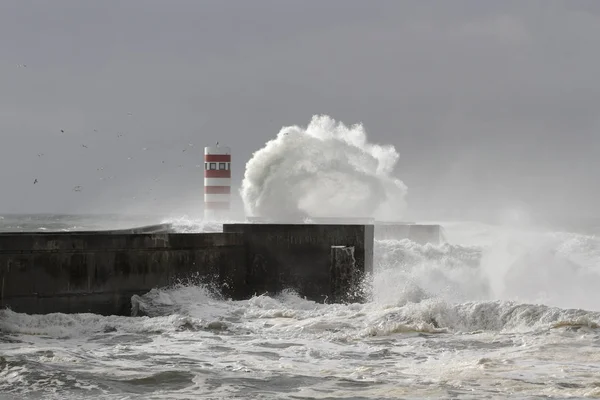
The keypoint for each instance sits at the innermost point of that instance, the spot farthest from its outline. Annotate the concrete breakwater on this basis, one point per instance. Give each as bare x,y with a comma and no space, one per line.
99,271
383,230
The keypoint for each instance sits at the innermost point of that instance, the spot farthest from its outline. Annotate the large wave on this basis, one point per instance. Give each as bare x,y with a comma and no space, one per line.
324,170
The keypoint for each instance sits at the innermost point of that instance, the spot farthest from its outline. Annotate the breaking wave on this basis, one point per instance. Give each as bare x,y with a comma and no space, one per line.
550,282
324,170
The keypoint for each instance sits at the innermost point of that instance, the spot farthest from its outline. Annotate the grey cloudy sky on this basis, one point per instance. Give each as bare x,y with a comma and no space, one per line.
490,104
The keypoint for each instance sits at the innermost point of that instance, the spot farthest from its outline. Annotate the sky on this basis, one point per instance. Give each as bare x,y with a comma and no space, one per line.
493,106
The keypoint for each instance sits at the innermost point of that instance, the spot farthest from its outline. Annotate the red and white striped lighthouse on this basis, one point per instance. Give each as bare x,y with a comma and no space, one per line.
217,181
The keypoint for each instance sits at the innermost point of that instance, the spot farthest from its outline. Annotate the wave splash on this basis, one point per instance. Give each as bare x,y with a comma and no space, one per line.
324,170
415,288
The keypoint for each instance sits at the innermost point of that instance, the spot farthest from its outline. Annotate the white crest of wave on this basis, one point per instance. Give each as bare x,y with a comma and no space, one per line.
324,170
185,224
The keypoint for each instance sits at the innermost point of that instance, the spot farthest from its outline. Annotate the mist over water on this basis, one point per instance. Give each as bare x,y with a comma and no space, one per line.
324,170
493,263
479,262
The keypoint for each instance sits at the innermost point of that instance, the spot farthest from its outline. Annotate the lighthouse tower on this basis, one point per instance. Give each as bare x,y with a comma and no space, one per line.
217,182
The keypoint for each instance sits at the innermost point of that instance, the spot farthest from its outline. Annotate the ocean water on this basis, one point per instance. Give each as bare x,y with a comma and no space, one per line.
495,312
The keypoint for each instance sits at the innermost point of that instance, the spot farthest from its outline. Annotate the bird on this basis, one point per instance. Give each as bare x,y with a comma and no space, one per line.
83,145
62,131
77,188
35,181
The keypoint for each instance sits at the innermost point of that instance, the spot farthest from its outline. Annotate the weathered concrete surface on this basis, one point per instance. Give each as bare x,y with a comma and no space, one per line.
99,272
288,256
397,230
422,234
345,281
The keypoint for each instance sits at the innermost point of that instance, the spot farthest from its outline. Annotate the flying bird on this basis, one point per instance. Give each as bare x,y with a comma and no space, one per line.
35,181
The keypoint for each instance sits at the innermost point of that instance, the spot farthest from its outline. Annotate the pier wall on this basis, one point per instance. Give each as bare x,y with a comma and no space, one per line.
99,272
298,256
397,230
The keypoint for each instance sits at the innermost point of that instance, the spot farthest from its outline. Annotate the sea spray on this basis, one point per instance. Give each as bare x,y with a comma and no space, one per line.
324,170
433,328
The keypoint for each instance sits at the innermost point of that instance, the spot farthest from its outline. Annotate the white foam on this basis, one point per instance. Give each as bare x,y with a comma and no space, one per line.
483,332
324,170
184,224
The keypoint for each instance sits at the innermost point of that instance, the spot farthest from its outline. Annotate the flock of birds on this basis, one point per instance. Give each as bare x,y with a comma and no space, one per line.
79,188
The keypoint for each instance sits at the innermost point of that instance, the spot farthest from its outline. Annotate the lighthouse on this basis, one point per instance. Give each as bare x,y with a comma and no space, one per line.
217,182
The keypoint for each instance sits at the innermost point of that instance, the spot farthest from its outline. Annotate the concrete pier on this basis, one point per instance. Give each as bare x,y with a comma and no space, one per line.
98,272
345,277
384,230
157,228
280,256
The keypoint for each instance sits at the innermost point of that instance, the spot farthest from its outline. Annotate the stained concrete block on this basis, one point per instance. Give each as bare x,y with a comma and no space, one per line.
345,278
298,256
48,272
99,271
396,230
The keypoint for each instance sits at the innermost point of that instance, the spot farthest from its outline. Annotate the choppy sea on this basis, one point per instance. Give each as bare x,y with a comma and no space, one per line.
495,312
